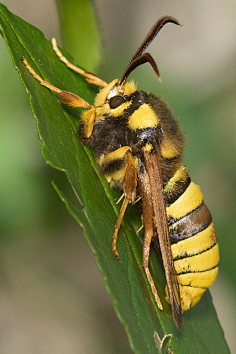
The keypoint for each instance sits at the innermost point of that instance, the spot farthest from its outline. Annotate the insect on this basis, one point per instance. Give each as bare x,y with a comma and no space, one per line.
139,147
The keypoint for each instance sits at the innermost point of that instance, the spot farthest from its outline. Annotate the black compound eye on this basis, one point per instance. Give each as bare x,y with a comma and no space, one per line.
116,101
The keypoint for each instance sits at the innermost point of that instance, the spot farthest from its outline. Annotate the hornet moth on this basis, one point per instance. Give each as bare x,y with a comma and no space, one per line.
139,147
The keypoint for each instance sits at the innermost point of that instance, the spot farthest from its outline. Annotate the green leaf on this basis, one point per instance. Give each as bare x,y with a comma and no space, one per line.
97,212
86,23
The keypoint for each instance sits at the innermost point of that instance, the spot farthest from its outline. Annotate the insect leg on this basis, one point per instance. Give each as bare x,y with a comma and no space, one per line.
147,211
129,188
91,78
66,97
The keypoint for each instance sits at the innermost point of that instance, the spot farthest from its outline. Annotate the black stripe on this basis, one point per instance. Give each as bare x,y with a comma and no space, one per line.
196,287
108,168
191,224
199,271
186,255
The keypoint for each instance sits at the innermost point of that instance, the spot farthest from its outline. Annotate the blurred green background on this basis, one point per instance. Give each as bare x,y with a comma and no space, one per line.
52,297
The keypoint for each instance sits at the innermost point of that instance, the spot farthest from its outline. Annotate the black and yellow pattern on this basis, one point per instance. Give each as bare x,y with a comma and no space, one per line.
139,147
193,239
193,242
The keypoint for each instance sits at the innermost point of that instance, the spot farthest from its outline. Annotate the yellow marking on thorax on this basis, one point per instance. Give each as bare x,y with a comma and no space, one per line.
143,117
187,202
114,155
195,244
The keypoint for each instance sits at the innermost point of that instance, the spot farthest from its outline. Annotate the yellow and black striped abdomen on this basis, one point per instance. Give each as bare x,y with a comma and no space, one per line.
193,238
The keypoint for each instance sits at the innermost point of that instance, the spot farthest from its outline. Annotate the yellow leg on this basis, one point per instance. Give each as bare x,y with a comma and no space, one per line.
66,97
117,227
91,78
37,77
